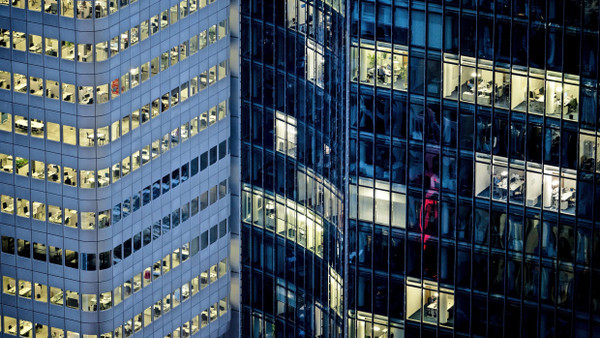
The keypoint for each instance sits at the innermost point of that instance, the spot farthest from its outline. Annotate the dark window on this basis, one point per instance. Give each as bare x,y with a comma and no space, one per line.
213,194
39,251
222,228
519,43
8,245
222,189
165,183
175,178
156,189
384,21
204,200
194,166
71,261
194,206
88,261
195,244
554,49
367,15
204,240
146,197
451,29
537,40
127,248
166,224
484,134
552,148
534,143
117,254
213,234
55,255
175,218
185,212
136,201
116,213
400,29
502,45
203,161
156,230
23,248
184,172
126,207
105,260
213,155
137,241
222,149
147,235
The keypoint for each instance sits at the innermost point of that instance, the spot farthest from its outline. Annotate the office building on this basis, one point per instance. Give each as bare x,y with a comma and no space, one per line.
114,188
472,168
299,168
292,120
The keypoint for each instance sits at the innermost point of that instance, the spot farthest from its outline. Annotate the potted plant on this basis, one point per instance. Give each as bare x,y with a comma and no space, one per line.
21,162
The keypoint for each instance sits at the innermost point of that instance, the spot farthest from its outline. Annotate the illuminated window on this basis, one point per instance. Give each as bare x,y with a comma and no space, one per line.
285,129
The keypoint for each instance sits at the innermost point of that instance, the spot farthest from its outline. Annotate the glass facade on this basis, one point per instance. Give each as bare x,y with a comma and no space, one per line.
115,168
292,150
472,168
299,168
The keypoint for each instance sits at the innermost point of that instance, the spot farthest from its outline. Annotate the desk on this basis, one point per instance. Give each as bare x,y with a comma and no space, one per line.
57,298
514,185
87,55
114,47
566,195
100,136
145,156
102,95
165,104
22,124
105,303
91,181
185,254
35,48
12,330
468,96
6,37
431,310
55,218
21,86
36,126
86,96
103,181
25,292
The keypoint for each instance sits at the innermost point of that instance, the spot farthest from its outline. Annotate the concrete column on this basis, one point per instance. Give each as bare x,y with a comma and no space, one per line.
443,308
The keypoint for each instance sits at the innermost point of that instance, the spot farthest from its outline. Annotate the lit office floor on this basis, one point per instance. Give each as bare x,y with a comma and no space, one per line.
431,319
